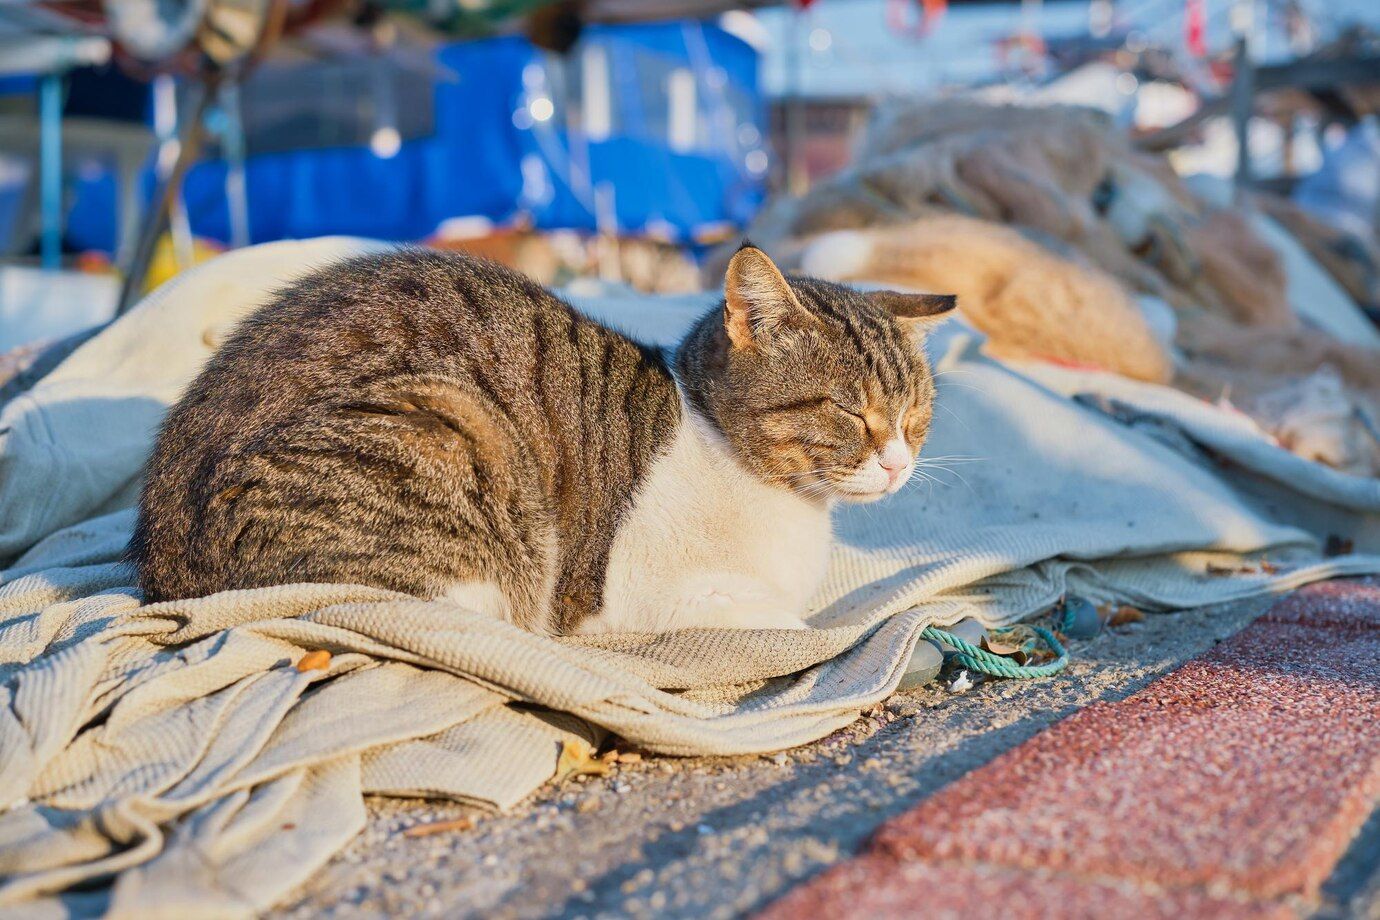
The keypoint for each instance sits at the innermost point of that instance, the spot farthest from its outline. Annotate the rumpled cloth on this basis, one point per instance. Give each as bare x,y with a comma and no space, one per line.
171,760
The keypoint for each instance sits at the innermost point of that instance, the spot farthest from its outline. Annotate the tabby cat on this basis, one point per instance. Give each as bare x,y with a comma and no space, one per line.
442,426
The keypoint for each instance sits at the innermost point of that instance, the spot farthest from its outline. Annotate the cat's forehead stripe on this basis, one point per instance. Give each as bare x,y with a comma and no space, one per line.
879,342
883,350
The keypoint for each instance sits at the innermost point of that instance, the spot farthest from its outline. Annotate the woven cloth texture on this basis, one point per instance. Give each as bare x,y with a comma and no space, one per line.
170,759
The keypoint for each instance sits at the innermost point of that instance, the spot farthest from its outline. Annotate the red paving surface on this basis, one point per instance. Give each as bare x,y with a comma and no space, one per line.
1229,788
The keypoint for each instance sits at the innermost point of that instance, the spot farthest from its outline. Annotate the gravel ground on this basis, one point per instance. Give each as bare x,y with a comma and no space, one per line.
718,837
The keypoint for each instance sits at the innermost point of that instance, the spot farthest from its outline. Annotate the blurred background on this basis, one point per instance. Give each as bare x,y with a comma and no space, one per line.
1180,191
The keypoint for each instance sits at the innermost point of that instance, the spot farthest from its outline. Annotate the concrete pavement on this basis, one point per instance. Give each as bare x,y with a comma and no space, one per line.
1232,787
725,837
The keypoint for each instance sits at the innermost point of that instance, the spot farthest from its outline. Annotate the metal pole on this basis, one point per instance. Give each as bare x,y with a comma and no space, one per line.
158,214
1243,91
50,169
233,145
797,177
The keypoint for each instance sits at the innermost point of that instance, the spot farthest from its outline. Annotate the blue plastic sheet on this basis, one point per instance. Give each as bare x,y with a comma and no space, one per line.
481,160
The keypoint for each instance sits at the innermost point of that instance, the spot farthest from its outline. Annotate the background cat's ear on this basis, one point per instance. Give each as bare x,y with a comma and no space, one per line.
920,311
757,300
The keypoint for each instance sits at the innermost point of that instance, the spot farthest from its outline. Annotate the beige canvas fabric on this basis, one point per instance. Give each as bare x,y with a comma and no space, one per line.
176,748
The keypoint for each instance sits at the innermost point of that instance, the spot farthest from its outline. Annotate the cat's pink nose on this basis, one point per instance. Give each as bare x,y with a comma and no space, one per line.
894,459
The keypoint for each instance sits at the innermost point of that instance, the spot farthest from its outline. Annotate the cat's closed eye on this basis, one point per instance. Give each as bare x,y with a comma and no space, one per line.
849,408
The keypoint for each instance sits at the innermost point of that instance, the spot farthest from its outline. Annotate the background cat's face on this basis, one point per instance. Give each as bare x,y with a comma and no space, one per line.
819,388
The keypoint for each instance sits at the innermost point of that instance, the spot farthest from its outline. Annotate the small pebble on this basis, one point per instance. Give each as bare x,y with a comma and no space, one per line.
962,683
967,629
779,758
925,664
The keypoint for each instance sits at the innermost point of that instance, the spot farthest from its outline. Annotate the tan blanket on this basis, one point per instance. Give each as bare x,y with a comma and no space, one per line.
177,748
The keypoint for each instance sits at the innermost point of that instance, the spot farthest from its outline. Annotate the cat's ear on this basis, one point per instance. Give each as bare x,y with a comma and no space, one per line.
919,311
757,300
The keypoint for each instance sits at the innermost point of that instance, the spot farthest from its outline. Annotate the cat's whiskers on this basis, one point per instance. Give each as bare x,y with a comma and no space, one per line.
924,477
947,458
924,471
955,383
949,371
954,415
961,478
928,480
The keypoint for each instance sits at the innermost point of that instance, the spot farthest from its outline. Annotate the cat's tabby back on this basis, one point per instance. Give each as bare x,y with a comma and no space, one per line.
445,427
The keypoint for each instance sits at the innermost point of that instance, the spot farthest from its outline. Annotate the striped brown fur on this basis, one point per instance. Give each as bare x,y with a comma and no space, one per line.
419,419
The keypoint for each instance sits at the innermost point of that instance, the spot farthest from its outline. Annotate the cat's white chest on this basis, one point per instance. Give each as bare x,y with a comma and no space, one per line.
706,544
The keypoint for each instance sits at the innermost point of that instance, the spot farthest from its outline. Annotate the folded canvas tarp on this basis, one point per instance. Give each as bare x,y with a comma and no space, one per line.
170,760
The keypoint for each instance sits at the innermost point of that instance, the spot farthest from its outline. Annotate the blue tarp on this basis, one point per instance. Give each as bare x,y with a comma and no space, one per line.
480,162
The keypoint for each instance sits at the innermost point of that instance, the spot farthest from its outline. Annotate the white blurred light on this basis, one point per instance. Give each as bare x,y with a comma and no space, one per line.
747,28
1242,18
469,227
598,105
1127,84
542,108
681,109
820,40
659,228
385,142
537,189
749,136
756,162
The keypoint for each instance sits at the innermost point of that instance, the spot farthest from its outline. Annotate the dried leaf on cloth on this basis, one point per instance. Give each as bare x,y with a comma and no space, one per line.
577,758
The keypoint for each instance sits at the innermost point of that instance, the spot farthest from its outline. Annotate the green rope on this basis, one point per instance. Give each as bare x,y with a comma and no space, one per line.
1065,615
983,661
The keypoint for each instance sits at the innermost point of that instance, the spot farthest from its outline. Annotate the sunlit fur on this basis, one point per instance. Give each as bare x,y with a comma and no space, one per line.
443,426
832,378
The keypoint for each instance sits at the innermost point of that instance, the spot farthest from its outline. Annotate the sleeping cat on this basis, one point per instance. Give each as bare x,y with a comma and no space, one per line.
442,426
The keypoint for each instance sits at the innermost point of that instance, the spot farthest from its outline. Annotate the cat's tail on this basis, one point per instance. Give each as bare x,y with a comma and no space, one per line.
841,255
